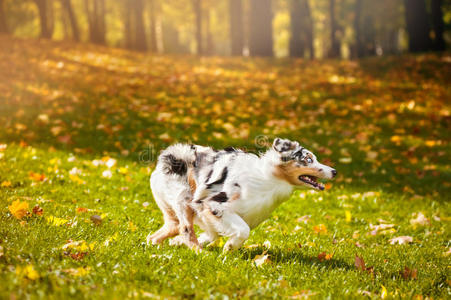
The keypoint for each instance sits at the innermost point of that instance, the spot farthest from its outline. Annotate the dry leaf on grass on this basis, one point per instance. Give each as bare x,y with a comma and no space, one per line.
261,259
401,240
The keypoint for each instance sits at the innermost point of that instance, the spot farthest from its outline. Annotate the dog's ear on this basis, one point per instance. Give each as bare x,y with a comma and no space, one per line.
284,147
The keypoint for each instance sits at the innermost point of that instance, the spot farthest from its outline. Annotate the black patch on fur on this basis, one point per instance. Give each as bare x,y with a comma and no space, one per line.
221,197
174,165
220,180
230,149
209,176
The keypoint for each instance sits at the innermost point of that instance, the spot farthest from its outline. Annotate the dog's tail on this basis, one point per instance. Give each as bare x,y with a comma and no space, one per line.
176,159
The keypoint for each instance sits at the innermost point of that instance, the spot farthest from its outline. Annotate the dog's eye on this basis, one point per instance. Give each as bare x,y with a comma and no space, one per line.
309,160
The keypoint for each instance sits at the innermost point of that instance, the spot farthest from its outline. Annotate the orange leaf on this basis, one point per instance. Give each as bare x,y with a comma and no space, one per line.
18,209
37,210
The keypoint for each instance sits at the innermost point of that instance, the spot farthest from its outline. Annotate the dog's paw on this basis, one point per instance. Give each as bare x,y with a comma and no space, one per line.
151,240
177,241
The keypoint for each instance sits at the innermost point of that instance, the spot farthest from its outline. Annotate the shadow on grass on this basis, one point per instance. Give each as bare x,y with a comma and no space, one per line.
288,256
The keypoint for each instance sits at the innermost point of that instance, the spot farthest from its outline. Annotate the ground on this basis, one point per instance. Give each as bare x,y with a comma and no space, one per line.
81,127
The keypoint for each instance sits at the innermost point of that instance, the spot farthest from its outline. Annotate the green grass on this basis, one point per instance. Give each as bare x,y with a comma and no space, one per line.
382,122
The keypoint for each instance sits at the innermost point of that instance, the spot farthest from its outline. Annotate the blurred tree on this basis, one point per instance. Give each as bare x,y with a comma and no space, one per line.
128,37
236,26
417,25
197,7
358,47
3,25
95,12
45,9
139,31
301,39
308,29
369,36
153,26
67,7
334,43
438,25
296,41
210,48
260,31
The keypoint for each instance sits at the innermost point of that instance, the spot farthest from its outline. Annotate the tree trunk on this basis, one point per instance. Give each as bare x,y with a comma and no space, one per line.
369,37
197,7
296,21
100,16
334,44
260,31
358,47
209,49
309,29
67,6
96,20
140,33
236,27
438,25
3,25
153,26
417,25
43,8
128,37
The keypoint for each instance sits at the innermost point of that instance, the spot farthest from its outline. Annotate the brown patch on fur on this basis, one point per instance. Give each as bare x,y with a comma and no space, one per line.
191,181
291,171
234,197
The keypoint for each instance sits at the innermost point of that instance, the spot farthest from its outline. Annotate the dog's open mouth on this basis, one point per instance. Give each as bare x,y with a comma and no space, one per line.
312,180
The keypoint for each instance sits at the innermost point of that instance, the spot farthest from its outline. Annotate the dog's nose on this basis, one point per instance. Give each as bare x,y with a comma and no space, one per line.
334,173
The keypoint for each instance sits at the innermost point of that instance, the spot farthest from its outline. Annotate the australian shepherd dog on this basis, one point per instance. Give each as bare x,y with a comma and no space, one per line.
227,192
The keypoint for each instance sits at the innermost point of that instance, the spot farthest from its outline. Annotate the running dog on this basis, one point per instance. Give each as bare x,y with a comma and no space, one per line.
227,192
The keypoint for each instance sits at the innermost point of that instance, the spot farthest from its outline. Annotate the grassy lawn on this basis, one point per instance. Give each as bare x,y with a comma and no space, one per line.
81,126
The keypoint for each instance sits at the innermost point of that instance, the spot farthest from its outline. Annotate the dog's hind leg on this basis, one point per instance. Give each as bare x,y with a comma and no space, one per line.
169,229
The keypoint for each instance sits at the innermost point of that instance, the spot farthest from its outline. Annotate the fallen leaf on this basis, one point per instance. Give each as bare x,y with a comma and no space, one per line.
261,259
320,229
36,176
81,210
18,209
420,220
6,184
325,256
401,240
56,221
304,219
359,263
348,216
37,210
408,273
96,219
384,292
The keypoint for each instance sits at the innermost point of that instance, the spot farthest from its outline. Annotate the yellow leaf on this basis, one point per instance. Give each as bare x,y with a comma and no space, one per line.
320,229
27,272
384,292
56,221
348,216
6,183
132,227
18,209
31,273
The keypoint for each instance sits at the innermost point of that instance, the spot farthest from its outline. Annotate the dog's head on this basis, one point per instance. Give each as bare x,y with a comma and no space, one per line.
299,166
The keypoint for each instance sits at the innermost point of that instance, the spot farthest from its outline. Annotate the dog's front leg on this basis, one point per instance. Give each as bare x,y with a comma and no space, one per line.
228,224
236,229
